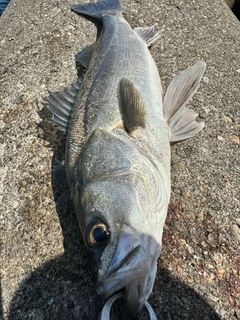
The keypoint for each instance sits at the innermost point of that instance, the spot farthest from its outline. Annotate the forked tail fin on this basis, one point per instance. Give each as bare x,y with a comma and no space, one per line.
97,9
181,120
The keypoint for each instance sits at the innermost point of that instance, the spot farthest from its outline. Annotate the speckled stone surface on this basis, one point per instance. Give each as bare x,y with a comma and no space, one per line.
43,266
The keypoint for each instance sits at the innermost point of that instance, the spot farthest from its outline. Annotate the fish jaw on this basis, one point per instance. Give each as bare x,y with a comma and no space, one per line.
133,268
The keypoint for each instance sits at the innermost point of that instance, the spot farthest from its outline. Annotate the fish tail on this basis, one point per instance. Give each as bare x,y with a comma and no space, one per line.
95,10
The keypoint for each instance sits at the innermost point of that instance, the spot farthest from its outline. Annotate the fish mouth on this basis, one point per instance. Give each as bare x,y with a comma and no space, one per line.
131,269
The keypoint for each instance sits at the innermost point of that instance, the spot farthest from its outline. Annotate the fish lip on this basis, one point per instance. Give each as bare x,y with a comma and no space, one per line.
118,277
127,263
127,271
128,244
133,270
118,281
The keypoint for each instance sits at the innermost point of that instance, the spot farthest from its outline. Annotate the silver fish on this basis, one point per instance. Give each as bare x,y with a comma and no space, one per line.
119,130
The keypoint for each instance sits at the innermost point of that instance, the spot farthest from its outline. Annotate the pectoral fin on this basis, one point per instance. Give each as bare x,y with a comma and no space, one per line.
132,106
181,120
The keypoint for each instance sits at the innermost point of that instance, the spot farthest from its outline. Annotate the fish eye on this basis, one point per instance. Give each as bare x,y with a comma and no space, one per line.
98,233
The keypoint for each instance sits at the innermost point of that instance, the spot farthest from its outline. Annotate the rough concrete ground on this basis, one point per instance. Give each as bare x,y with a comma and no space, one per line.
43,265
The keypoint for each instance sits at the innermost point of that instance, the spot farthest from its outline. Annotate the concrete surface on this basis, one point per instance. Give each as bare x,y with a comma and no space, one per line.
43,265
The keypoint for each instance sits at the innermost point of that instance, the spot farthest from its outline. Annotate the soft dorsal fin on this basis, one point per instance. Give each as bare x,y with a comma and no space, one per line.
83,58
181,120
132,106
60,104
147,34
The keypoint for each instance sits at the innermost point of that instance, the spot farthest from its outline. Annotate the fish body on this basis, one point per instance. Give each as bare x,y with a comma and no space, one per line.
119,130
119,53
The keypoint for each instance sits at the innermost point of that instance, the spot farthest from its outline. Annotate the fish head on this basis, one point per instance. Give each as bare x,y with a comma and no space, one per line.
123,252
116,204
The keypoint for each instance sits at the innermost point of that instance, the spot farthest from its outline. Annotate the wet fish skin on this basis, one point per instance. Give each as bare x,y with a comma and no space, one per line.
125,193
119,131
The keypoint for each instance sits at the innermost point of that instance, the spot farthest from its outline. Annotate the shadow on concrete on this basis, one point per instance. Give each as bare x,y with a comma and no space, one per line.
236,8
61,289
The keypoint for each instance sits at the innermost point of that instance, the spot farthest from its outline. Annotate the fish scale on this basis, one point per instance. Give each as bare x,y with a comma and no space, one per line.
108,69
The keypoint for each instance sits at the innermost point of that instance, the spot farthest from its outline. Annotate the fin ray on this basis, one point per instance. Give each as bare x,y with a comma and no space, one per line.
59,120
147,34
60,104
181,120
55,99
184,125
131,105
83,59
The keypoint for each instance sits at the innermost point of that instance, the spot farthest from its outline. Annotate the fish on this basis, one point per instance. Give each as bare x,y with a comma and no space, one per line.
3,5
119,127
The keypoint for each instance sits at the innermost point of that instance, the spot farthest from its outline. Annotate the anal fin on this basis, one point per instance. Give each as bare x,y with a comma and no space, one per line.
181,120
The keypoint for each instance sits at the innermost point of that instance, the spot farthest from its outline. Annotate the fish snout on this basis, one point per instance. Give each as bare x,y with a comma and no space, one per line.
132,268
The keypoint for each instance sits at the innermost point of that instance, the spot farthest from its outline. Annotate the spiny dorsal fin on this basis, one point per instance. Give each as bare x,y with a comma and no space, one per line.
132,106
181,120
147,34
60,104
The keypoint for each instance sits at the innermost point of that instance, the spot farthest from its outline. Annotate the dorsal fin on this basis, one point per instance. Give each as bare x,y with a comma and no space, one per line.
60,104
132,106
83,58
147,34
